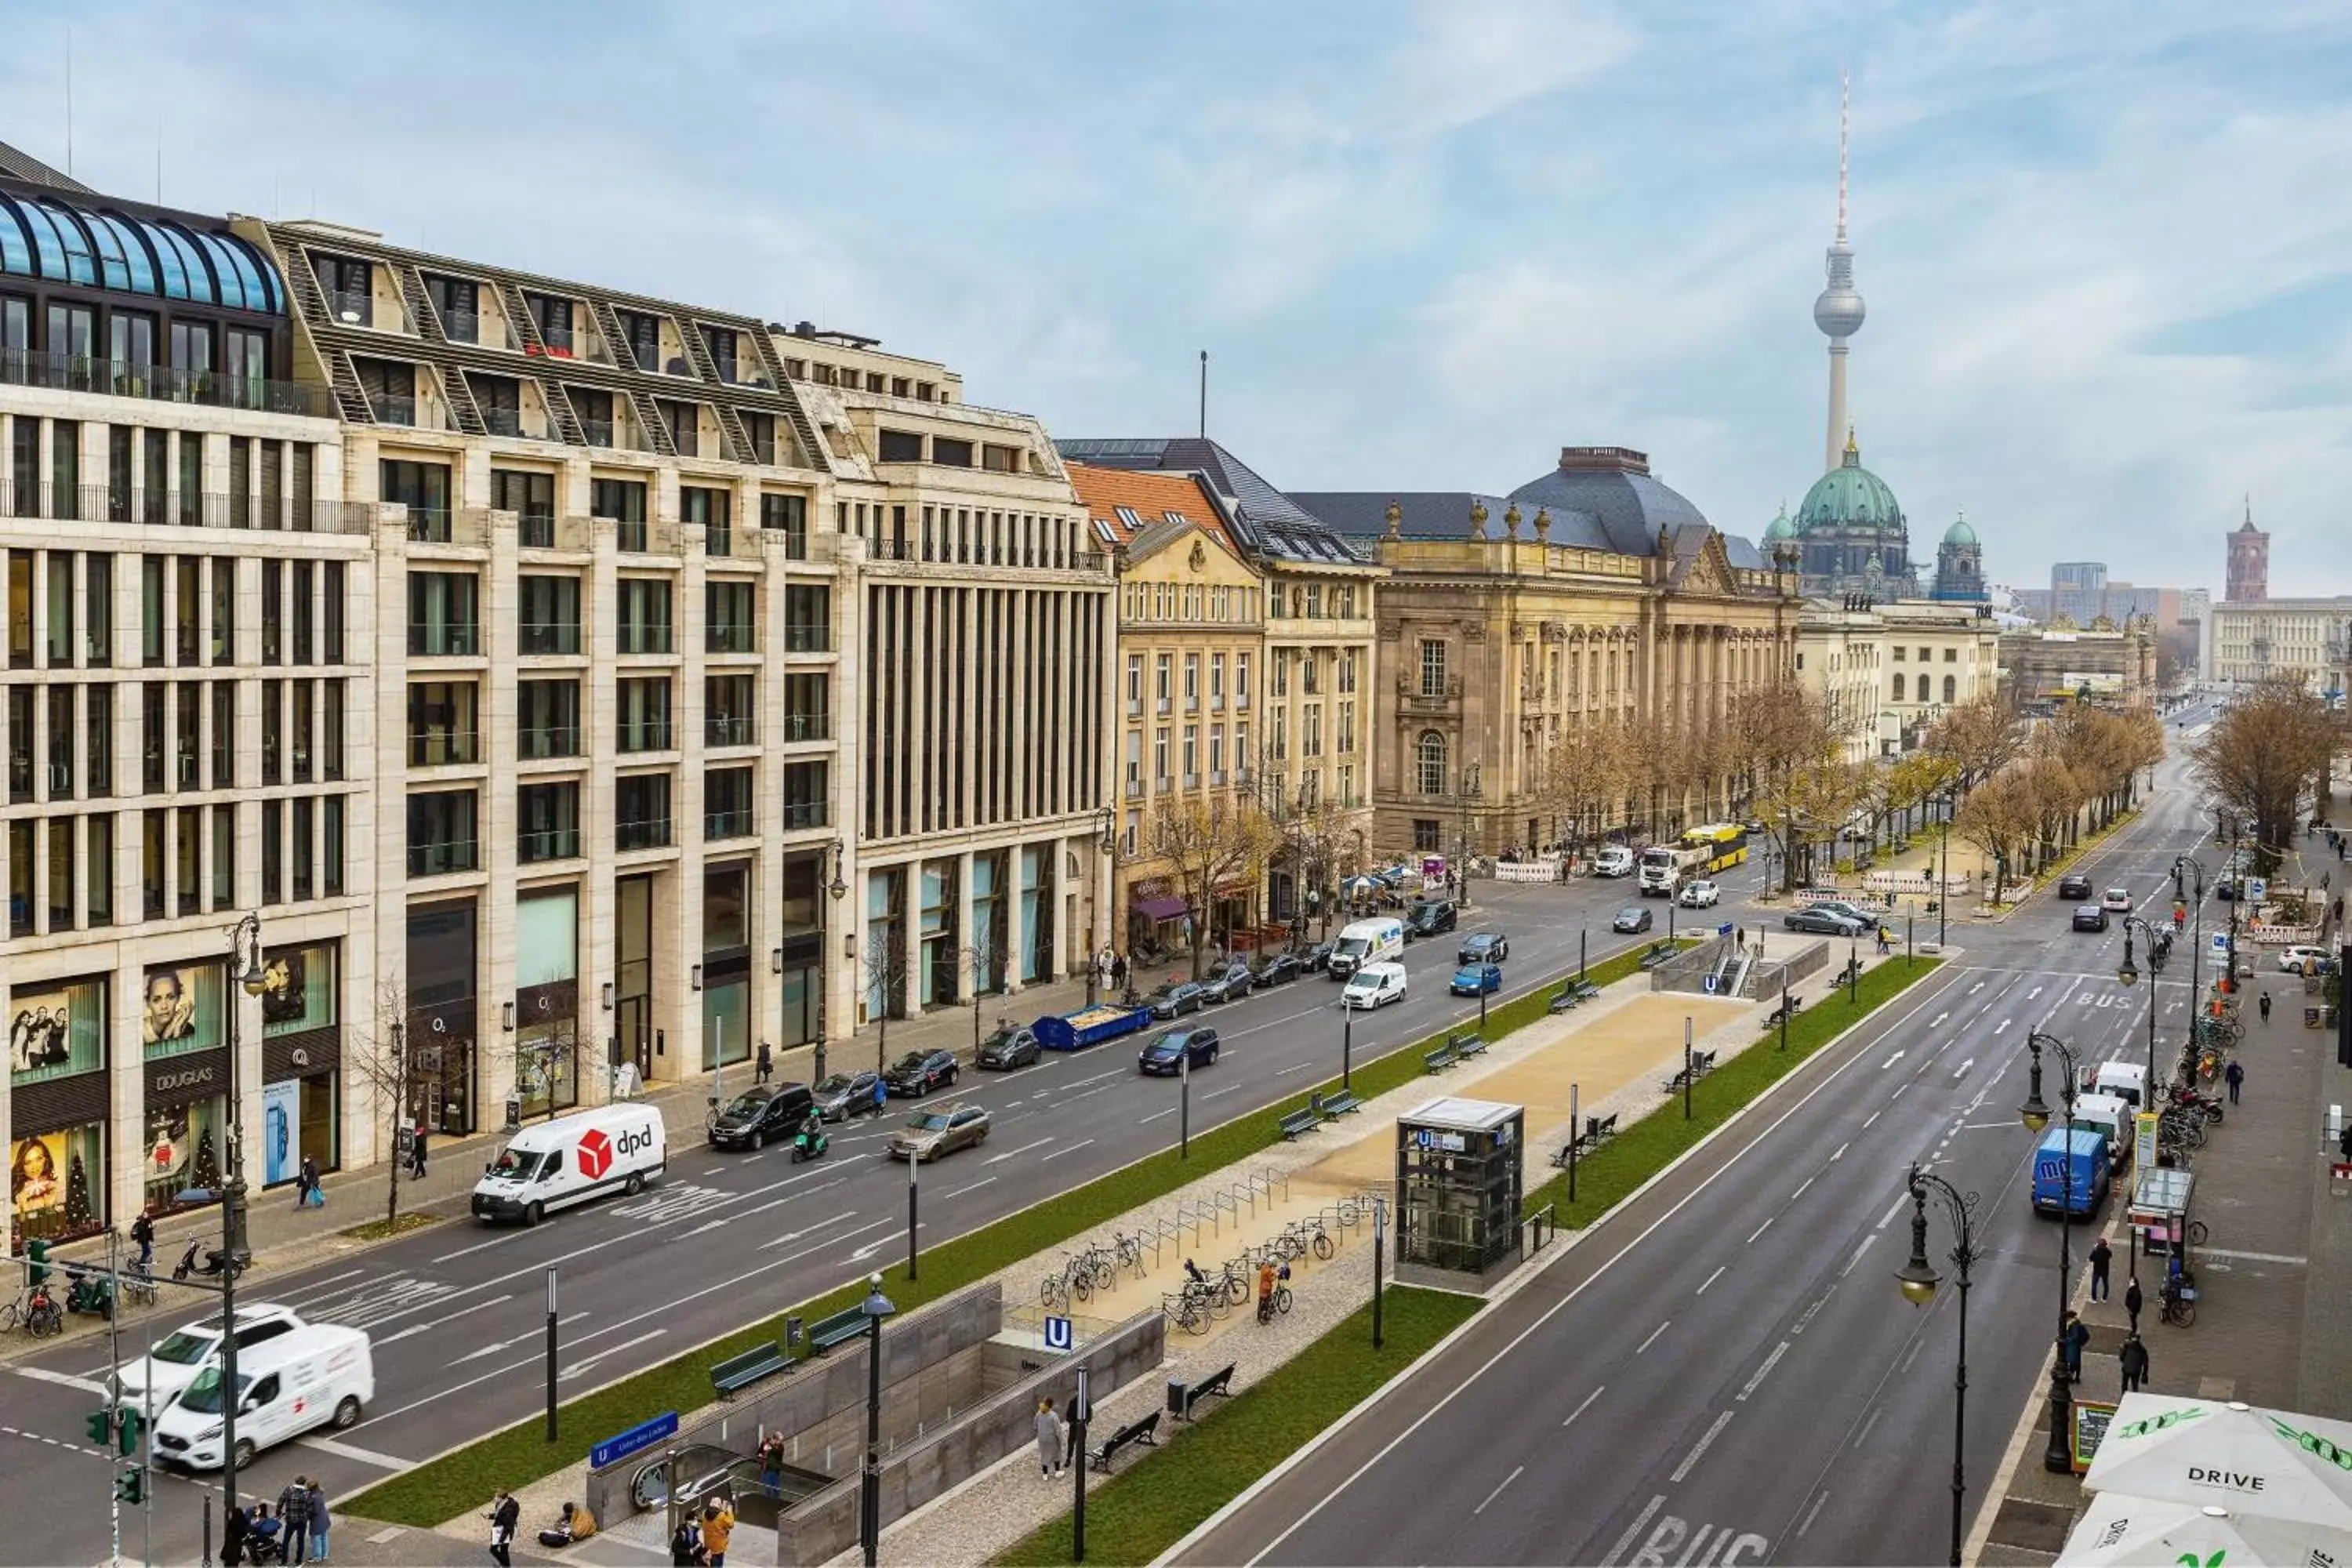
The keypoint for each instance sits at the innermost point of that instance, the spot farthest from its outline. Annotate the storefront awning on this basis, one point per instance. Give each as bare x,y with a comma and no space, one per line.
1158,909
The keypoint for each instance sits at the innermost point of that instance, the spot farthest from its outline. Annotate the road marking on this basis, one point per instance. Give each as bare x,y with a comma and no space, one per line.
1857,1254
1491,1496
1711,1279
1898,1091
578,1367
973,1188
2032,993
1873,1116
1229,1089
1962,1070
1938,1022
1997,1028
1760,1230
345,1451
1661,1328
1588,1401
1890,1061
1641,1522
493,1348
1285,1072
1015,1153
1977,988
871,1248
1703,1444
62,1379
1800,1191
567,1323
1866,1425
436,1323
1072,1149
2254,1257
1801,1324
1082,1082
810,1230
1769,1361
1155,1116
1811,1513
1840,1154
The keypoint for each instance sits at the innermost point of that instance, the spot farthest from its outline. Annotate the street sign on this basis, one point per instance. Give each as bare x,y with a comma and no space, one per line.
2144,1126
2220,942
2257,889
1723,929
645,1435
2091,1418
1711,985
1058,1335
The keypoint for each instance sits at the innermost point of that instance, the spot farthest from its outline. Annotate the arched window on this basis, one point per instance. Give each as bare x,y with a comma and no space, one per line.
1951,688
1429,756
1898,689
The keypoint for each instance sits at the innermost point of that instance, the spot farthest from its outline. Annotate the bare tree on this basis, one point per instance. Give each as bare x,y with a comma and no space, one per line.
1998,816
2270,745
1316,839
1207,840
981,966
381,1057
884,970
1583,775
1978,737
1792,755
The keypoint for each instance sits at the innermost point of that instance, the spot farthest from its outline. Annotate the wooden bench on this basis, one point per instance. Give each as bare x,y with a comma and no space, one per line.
1659,953
1598,1130
1340,1104
1439,1059
838,1330
1133,1433
1466,1044
1299,1121
1565,1000
1700,1065
1218,1382
740,1372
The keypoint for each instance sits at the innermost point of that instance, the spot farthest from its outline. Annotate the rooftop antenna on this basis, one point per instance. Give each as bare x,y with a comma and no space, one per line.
69,101
1204,395
1846,116
159,160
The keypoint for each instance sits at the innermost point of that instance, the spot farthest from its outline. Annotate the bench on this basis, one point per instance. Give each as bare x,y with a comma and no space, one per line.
1598,1130
1299,1121
1565,1000
1786,1009
1439,1059
740,1372
837,1330
1466,1044
1218,1382
1700,1065
1133,1433
1659,953
1340,1104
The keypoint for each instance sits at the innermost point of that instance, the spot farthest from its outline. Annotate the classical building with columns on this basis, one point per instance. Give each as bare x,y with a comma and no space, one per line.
1593,593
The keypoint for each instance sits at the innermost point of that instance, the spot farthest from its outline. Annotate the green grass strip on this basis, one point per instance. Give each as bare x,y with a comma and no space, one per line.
461,1481
1606,1177
1152,1504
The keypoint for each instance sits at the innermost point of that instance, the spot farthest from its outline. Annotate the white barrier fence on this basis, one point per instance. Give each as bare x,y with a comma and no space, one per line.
1542,868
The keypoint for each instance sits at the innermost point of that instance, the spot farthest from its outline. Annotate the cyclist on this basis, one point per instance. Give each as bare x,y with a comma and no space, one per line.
1266,1290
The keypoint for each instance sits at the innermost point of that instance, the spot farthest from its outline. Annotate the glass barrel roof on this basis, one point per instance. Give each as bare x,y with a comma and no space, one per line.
64,243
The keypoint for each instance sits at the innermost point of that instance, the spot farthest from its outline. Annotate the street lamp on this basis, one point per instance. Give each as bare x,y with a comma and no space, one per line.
1918,1280
2189,888
876,1306
2057,1457
246,970
1469,794
1109,844
2159,947
1944,878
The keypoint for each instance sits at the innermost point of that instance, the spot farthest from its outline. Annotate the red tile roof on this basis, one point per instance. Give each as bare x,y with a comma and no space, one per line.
1150,497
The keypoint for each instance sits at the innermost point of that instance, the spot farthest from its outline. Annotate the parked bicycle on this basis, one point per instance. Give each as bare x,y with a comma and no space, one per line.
2179,1305
38,1314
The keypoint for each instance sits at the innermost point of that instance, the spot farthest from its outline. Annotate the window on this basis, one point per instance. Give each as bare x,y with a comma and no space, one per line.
624,500
1191,682
1898,689
808,617
901,447
807,708
305,576
1241,680
1951,687
803,795
549,615
531,498
444,613
1162,669
788,515
1217,681
1427,831
100,713
1000,459
1951,655
727,802
950,453
1134,685
553,318
641,336
547,719
1898,653
273,609
729,704
441,827
443,720
1159,758
547,819
332,597
1191,756
1924,656
730,616
331,736
98,610
458,304
642,709
642,618
1432,667
1134,762
641,811
1429,759
720,342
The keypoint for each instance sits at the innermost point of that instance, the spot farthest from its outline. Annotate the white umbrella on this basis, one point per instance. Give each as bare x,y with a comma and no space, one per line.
2124,1530
2275,1464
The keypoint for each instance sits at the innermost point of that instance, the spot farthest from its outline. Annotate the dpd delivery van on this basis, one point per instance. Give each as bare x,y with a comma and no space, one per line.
612,1149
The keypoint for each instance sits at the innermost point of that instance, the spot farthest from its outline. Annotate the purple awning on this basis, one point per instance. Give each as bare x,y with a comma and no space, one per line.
1158,909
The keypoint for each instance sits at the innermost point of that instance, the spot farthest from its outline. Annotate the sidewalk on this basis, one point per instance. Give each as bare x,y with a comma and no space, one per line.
2274,1278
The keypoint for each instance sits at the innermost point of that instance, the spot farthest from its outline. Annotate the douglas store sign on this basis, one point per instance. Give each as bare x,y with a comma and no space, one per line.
176,1078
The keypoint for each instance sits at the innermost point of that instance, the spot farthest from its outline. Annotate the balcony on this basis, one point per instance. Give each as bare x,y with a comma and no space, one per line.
727,823
816,638
447,858
734,731
179,509
644,637
462,327
649,736
442,748
1135,789
732,636
634,536
641,833
555,843
162,383
444,640
807,814
548,637
535,745
596,432
803,727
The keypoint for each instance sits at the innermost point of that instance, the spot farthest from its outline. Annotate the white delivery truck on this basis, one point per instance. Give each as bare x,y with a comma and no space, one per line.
612,1149
319,1375
2112,1115
1366,941
2125,1081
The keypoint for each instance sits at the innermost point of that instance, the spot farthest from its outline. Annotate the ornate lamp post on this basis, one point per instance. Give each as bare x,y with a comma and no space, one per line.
245,970
2189,888
876,1306
1109,847
1919,1280
2058,1455
2159,948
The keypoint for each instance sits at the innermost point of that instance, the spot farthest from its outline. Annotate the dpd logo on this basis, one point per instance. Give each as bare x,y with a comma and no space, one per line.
595,1151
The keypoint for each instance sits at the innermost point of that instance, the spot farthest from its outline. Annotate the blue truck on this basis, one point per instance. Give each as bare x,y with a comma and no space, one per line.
2075,1177
1090,1026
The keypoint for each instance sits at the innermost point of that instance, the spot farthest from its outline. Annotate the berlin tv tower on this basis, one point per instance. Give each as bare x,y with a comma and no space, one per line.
1838,312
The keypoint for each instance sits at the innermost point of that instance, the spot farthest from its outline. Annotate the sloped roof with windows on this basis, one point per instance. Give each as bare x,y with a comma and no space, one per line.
1141,512
1266,523
127,249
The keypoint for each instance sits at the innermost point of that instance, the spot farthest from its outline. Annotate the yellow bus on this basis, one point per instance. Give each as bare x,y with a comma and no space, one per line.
1719,845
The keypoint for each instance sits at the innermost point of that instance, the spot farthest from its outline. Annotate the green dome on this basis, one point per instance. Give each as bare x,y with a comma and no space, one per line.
1849,496
1780,527
1960,533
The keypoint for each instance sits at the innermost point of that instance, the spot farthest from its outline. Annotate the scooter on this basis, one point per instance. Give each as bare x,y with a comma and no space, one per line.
92,1293
807,1146
213,1264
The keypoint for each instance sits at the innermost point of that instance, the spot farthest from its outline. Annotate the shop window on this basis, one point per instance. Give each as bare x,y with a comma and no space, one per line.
56,1183
181,1010
56,1030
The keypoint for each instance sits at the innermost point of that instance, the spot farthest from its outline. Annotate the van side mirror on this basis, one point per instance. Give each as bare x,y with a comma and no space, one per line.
488,1165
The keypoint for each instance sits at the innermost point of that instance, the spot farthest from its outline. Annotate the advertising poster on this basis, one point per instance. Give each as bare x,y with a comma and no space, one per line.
180,1009
298,988
55,1031
51,1184
281,1111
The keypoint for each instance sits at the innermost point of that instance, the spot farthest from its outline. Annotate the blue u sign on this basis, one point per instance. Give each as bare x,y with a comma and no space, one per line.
1058,1336
645,1435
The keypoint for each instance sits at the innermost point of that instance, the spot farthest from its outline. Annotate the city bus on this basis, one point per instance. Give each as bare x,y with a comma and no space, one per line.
1717,846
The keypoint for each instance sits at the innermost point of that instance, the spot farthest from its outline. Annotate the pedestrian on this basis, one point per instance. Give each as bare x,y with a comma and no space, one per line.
767,1063
318,1522
772,1465
2344,1143
2235,1076
416,1153
1049,1440
2265,1005
308,1181
686,1544
233,1529
2070,1344
294,1513
2101,1256
2132,1299
143,1231
1264,1290
1118,970
717,1525
2133,1359
881,1094
1886,940
504,1515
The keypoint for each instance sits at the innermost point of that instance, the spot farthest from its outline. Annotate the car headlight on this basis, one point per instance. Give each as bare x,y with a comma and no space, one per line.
208,1433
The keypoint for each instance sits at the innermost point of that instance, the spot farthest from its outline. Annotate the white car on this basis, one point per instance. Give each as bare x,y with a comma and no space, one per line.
1699,896
2117,899
2293,960
188,1350
1614,862
1374,986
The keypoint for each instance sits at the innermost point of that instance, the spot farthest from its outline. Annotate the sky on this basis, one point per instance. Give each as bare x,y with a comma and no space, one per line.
2105,247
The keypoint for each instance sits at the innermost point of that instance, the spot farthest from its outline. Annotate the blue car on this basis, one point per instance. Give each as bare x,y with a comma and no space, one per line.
1476,979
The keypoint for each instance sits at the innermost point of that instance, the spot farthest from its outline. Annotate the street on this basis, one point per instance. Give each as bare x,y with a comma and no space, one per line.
456,1313
1727,1374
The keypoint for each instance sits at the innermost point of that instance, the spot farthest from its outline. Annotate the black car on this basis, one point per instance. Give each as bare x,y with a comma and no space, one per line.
1634,918
1229,984
1318,959
842,1095
1012,1045
918,1073
1428,919
1279,968
1482,947
2090,916
771,1110
1172,999
1162,1055
2073,886
1821,923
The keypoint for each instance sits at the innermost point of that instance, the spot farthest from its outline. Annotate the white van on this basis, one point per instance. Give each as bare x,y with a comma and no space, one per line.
2112,1115
1614,862
614,1148
1366,941
319,1375
190,1348
2127,1080
1374,985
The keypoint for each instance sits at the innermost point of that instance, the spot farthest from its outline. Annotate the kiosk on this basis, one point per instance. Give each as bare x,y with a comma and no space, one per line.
1458,1183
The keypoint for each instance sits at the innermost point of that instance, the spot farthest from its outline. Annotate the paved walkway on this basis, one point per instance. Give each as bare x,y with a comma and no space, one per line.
2275,1314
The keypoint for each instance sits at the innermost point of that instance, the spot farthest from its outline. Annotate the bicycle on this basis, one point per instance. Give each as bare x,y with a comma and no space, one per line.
1190,1312
1130,1252
1054,1291
1269,1306
138,1288
1351,1211
2175,1306
43,1316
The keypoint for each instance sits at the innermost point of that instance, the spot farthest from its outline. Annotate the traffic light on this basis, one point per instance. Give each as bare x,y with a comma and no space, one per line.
126,1431
101,1426
36,1262
131,1486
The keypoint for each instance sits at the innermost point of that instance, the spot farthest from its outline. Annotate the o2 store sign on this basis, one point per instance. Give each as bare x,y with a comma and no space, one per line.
597,1149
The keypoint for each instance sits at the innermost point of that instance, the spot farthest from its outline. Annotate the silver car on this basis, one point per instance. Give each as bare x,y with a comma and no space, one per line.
940,1129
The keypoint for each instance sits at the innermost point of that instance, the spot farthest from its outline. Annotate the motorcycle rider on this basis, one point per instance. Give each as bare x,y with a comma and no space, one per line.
811,1137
